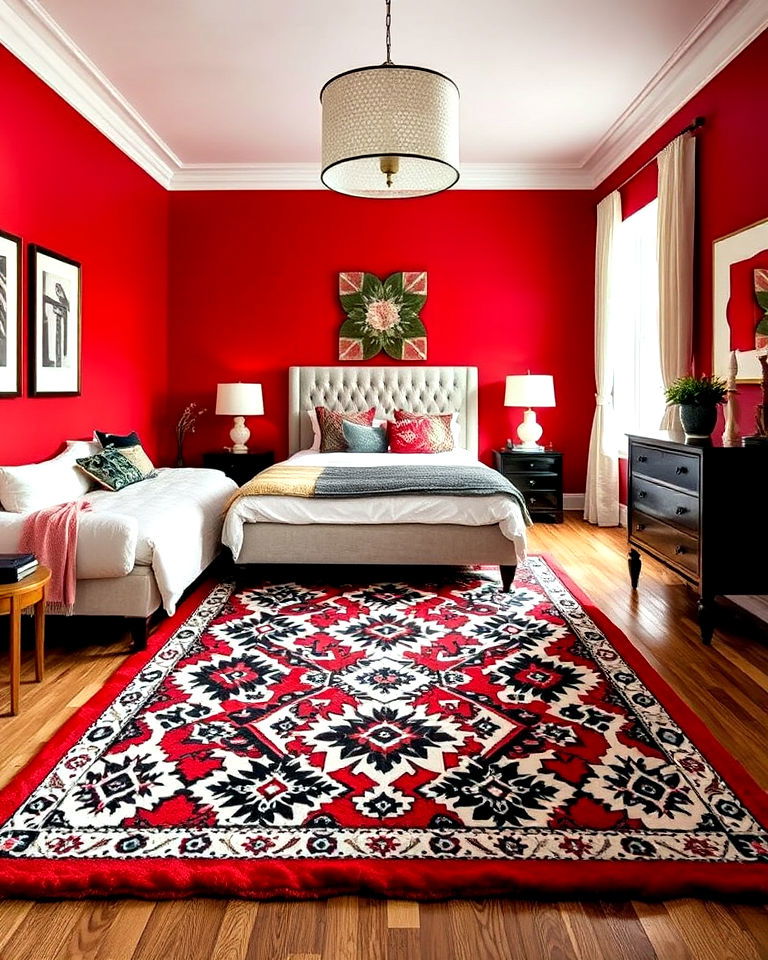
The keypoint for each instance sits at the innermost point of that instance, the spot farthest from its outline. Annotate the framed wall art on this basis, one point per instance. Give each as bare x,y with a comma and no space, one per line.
382,315
54,324
740,301
10,315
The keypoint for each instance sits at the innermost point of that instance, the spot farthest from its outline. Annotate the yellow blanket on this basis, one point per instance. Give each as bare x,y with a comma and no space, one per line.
281,480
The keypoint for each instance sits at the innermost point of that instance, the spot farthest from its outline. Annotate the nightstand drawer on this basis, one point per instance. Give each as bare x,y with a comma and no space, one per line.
525,463
546,501
681,509
669,466
677,547
541,481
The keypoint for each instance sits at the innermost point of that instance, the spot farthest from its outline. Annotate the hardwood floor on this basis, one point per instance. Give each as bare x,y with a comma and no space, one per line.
726,684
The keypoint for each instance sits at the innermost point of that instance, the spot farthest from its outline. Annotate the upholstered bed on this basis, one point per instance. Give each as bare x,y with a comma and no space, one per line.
274,530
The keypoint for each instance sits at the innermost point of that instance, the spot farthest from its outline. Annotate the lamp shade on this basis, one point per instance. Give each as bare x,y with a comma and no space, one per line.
239,399
390,118
530,390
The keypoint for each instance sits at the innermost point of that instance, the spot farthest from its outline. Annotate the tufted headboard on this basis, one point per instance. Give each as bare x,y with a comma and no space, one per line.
420,389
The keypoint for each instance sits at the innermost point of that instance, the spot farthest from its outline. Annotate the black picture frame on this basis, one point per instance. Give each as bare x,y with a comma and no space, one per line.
55,324
11,312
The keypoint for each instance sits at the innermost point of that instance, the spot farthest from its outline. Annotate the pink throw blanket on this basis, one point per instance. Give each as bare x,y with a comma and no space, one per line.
51,534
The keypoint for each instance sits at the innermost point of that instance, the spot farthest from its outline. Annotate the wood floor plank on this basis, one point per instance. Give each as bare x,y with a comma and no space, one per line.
47,927
402,914
185,929
342,928
464,930
234,934
283,929
403,943
372,929
712,932
12,914
618,931
661,932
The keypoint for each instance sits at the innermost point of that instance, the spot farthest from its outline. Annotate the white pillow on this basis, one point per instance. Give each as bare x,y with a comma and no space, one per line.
34,486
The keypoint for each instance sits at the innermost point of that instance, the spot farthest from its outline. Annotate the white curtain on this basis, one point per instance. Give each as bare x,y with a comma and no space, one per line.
677,194
601,504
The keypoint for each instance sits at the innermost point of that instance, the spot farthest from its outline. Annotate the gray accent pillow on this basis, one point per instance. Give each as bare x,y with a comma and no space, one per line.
363,439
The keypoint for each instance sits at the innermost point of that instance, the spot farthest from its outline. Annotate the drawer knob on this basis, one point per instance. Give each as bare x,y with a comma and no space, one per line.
531,483
681,510
640,526
681,470
533,500
680,550
642,458
642,495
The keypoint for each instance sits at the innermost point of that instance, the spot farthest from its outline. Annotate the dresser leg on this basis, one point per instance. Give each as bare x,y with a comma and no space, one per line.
635,563
706,620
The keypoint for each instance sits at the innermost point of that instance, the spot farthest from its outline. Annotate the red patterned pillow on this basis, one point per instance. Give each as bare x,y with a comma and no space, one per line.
415,436
439,428
331,431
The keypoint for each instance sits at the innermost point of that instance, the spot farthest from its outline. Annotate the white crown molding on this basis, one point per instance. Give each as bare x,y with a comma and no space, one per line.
33,36
306,176
729,27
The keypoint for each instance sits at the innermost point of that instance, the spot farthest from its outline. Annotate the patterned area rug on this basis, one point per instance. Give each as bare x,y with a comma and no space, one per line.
424,741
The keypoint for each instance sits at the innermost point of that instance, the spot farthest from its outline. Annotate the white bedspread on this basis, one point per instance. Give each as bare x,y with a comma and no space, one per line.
421,508
171,522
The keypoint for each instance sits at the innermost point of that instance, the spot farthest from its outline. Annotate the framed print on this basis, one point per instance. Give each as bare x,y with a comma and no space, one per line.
10,315
54,324
740,301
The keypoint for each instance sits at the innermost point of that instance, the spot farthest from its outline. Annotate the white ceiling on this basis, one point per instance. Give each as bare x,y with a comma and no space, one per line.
545,84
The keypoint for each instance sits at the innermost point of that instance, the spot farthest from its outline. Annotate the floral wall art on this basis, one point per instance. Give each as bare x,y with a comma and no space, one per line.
382,315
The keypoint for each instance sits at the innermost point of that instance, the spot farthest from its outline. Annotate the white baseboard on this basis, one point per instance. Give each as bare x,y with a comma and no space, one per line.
623,514
573,501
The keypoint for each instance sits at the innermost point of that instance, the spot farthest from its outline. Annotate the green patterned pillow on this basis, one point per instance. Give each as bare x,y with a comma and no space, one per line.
110,469
363,439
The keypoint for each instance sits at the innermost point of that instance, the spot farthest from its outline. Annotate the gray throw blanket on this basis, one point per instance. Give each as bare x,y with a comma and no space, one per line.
447,479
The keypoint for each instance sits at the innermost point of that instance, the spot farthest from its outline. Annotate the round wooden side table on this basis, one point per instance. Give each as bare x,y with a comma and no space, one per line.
15,597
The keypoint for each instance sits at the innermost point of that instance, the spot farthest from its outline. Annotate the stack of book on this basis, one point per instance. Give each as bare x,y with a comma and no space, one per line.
16,566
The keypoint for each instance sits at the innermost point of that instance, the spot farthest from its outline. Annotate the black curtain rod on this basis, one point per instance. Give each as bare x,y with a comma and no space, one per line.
691,128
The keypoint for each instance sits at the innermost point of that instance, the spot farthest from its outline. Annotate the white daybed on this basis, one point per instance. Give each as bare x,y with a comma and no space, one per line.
407,530
139,548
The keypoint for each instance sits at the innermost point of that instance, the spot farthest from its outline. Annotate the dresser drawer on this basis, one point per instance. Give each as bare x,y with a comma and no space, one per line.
681,509
541,481
516,463
680,549
670,466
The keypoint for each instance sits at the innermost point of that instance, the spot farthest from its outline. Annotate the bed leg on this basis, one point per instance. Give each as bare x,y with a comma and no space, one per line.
139,628
507,576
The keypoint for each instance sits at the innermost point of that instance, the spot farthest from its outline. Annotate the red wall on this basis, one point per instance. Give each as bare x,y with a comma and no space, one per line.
732,179
65,186
253,278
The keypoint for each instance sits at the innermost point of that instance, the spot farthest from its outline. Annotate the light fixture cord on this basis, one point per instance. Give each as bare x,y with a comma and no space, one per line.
388,23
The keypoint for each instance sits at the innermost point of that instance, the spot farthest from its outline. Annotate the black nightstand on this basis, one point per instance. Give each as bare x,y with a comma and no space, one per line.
241,467
539,477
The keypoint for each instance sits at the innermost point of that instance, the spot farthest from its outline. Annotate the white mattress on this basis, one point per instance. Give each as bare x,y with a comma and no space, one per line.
421,508
171,522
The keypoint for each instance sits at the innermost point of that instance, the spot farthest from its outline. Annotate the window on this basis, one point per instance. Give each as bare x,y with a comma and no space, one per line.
638,389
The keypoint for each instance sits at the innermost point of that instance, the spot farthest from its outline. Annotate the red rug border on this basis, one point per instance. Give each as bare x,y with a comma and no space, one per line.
170,879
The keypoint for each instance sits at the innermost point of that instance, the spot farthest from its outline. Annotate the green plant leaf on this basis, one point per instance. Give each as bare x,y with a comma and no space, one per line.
354,329
394,348
410,327
393,286
370,347
762,327
373,288
349,301
762,299
414,301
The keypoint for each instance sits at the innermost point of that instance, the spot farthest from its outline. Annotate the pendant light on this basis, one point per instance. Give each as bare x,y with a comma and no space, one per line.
390,131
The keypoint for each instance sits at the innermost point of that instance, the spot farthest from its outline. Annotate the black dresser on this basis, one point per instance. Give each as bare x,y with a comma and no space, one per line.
700,511
539,477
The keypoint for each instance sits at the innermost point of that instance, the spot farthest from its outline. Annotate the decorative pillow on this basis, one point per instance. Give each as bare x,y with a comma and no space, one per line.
116,440
413,436
138,458
331,431
439,426
110,469
362,439
34,486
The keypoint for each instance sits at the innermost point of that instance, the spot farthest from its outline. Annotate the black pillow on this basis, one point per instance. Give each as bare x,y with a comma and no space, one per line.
115,440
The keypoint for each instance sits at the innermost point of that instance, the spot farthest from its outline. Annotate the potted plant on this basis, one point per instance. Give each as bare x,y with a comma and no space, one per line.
697,398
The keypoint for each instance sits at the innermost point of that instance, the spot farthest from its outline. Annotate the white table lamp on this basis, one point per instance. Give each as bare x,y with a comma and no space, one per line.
529,390
239,400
